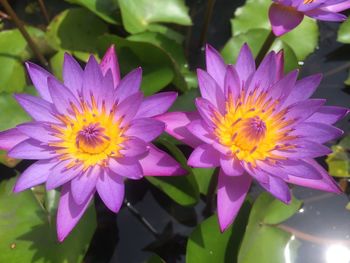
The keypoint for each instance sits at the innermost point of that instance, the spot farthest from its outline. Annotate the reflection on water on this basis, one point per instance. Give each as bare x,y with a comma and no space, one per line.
337,253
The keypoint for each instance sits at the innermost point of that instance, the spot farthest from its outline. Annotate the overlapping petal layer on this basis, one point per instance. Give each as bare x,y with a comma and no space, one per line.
257,123
89,133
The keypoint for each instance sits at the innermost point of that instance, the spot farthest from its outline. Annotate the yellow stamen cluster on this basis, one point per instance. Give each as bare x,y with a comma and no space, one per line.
252,127
89,136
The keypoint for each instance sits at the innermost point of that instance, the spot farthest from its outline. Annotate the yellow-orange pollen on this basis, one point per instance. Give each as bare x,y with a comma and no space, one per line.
89,136
308,1
252,128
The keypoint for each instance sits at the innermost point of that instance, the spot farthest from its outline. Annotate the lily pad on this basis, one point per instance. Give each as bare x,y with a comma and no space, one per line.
27,235
263,237
138,15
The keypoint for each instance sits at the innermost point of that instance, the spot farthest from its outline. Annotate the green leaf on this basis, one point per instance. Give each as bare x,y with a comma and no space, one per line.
344,32
207,244
255,39
156,65
138,15
203,178
76,30
182,189
14,50
338,161
105,9
262,236
27,235
246,19
174,52
56,63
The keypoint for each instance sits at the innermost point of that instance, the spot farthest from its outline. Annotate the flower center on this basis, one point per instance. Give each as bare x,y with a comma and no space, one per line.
91,139
252,127
89,136
308,1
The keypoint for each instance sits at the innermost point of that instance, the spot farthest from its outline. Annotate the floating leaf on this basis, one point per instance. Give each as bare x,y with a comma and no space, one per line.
27,235
207,244
105,9
344,32
76,30
56,63
155,259
13,51
203,177
138,15
262,236
339,160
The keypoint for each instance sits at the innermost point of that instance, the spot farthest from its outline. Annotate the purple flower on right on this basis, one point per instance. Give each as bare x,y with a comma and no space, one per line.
257,123
285,15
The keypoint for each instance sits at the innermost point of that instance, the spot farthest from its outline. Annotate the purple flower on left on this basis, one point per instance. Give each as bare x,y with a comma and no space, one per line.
89,134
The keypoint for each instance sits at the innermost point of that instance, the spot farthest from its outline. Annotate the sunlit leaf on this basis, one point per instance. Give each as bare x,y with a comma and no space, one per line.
27,235
105,9
155,259
344,32
13,51
76,30
56,63
263,237
339,160
207,244
138,15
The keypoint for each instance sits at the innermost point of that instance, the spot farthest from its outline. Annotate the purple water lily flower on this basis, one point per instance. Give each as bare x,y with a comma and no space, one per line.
256,124
285,15
89,134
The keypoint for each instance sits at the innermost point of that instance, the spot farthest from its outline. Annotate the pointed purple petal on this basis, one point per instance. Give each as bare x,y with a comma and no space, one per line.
32,150
92,81
210,90
232,85
278,188
324,15
146,129
156,104
302,110
60,174
133,147
126,167
200,129
110,62
232,191
204,156
215,65
39,78
327,183
129,85
35,174
317,132
176,125
245,64
69,212
128,108
72,75
62,97
207,111
110,188
284,19
303,89
37,108
84,185
231,166
38,131
304,149
328,114
10,138
159,163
